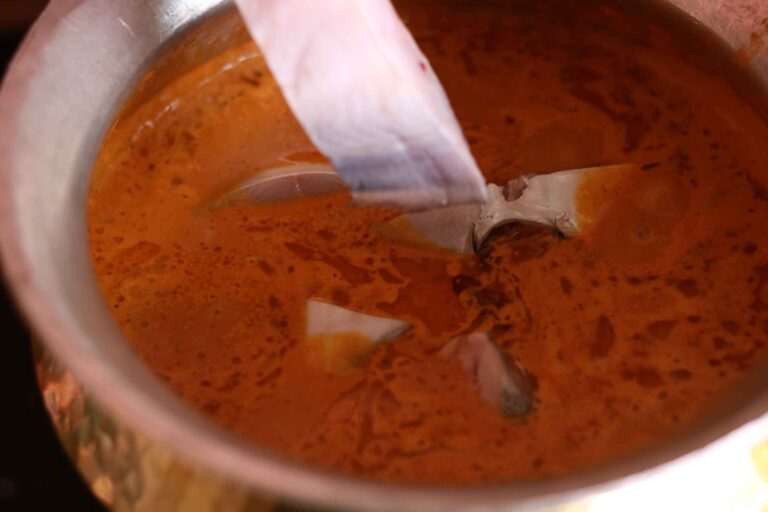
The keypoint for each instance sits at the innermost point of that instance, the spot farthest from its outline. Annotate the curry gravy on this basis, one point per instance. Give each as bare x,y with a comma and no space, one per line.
627,334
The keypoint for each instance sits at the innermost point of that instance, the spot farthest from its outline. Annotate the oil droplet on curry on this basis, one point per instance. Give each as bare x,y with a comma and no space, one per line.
626,334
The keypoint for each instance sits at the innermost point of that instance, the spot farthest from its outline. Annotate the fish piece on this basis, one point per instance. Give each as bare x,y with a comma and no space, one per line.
499,380
339,338
447,228
548,199
284,183
368,99
326,318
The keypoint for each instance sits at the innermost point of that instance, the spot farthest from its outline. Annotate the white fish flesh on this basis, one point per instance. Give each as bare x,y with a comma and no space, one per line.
546,199
324,319
368,98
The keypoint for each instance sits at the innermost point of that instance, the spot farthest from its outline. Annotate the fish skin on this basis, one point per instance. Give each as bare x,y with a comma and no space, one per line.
499,380
283,184
368,98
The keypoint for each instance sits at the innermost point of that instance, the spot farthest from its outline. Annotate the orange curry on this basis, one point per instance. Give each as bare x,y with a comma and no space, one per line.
626,334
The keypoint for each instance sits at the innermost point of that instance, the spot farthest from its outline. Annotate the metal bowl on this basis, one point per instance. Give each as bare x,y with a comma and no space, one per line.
138,445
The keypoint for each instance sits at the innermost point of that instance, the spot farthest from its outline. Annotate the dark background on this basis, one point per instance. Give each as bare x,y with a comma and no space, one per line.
35,474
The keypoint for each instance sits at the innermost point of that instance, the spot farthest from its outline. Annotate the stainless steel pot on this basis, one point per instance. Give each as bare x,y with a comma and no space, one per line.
137,444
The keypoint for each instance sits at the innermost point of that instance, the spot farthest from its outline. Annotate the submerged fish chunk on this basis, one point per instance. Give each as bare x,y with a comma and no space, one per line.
326,318
368,98
499,380
341,338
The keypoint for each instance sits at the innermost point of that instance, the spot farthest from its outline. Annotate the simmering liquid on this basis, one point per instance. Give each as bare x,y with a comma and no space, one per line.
627,334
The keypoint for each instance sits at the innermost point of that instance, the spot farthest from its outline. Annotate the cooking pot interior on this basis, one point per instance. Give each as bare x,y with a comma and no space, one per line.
127,53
